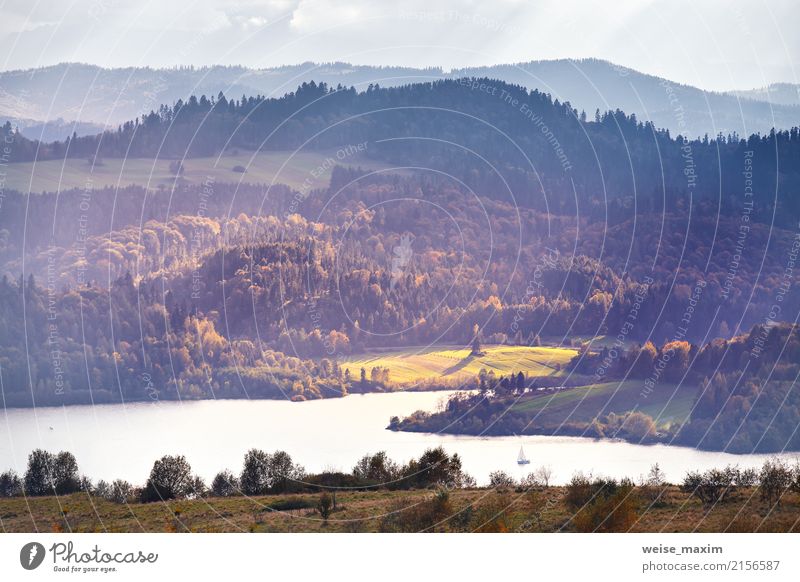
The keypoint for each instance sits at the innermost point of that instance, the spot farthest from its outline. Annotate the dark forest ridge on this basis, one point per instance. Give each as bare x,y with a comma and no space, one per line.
499,139
94,95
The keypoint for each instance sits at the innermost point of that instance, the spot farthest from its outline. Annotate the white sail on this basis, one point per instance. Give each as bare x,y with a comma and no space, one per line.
522,459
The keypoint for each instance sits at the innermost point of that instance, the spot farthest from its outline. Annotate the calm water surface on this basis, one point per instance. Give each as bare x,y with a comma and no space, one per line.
122,441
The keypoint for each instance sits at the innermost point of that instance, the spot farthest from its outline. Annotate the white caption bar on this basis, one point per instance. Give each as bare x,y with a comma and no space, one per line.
388,557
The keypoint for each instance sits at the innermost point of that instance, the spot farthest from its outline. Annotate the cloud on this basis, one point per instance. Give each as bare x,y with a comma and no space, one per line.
717,44
255,14
314,15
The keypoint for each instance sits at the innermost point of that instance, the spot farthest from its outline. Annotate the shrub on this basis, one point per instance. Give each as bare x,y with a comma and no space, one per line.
85,484
613,509
291,504
120,491
529,482
47,473
774,479
491,516
10,484
418,516
501,480
377,468
197,488
253,480
225,484
601,504
336,479
579,491
434,468
638,425
263,473
102,489
714,485
747,478
654,486
65,474
170,478
282,474
325,505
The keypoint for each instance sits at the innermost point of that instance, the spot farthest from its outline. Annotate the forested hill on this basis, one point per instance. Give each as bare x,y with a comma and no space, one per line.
499,139
88,93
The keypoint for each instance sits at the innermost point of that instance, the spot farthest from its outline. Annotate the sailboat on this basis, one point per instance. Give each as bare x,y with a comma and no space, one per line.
521,458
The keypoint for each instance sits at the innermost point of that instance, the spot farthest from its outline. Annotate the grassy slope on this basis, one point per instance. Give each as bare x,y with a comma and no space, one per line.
668,403
415,364
265,167
360,511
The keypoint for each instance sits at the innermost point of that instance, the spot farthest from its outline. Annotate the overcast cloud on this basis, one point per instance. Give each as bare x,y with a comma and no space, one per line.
713,44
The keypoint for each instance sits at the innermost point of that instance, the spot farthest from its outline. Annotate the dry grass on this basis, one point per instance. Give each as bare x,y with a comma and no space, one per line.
468,510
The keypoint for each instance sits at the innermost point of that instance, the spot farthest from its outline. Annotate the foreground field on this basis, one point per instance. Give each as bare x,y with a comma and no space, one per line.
428,363
540,510
304,170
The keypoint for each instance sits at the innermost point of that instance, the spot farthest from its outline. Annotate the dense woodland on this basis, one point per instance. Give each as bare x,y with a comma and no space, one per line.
501,140
206,306
614,229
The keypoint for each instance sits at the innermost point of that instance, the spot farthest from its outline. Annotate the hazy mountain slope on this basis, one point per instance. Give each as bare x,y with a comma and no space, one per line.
113,96
589,84
90,93
54,130
778,93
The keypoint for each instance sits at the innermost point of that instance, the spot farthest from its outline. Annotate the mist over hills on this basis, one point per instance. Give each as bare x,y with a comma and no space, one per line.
96,95
777,93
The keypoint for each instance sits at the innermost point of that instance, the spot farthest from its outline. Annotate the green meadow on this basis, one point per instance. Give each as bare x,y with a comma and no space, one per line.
668,404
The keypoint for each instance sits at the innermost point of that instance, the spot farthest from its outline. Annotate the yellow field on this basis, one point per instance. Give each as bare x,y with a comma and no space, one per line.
311,168
427,363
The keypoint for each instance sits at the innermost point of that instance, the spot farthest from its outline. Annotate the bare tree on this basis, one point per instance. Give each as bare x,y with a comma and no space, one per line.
544,474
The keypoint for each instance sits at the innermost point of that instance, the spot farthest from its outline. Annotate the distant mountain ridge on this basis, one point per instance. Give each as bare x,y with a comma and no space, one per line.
95,95
54,130
777,93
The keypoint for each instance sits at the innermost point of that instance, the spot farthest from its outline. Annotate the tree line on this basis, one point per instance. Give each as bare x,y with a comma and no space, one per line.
262,473
595,503
508,139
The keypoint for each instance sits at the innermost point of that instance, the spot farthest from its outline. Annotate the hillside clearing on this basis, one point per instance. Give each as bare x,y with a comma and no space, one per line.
670,403
302,170
455,362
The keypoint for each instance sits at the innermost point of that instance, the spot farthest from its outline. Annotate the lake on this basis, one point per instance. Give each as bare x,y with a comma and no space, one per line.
122,441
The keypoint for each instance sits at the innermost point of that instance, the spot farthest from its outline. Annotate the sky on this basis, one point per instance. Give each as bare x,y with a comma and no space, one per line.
711,44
